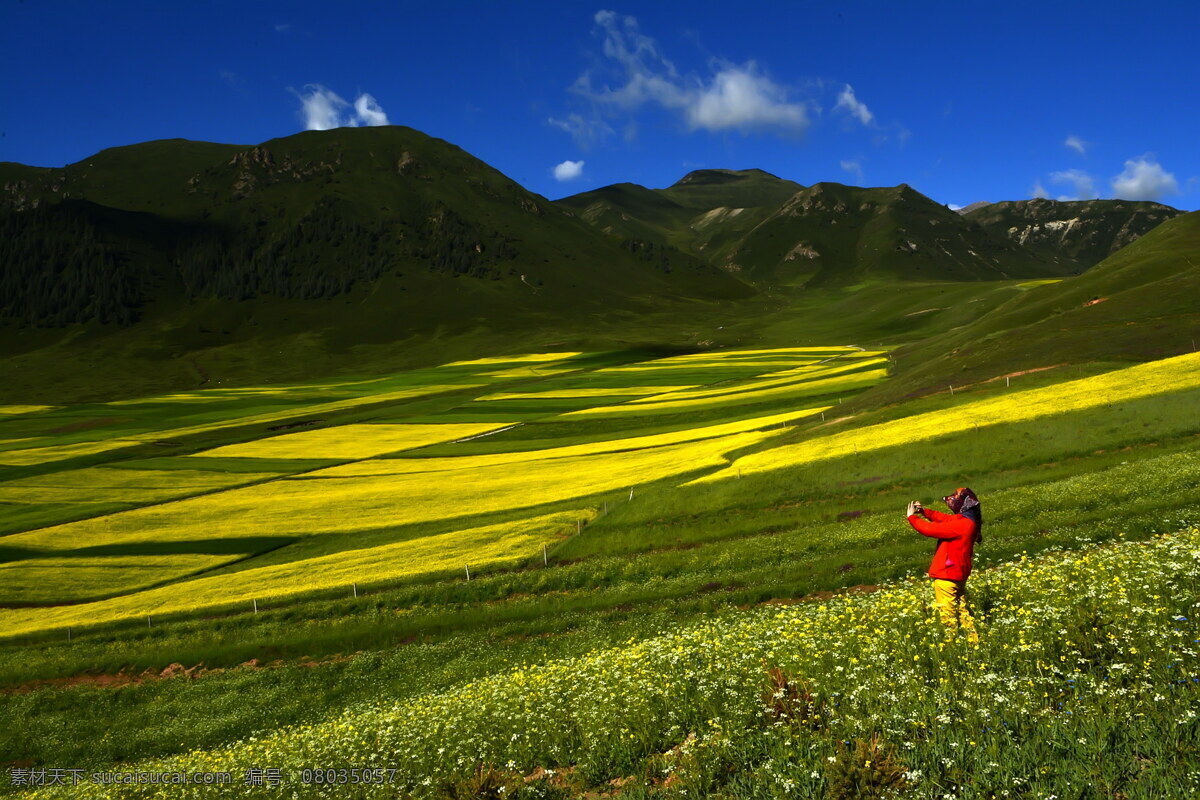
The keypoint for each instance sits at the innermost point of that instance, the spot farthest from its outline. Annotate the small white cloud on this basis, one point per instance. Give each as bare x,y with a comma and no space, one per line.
323,109
1038,190
368,111
283,27
568,170
854,168
853,106
733,97
1085,185
1076,144
1144,179
954,206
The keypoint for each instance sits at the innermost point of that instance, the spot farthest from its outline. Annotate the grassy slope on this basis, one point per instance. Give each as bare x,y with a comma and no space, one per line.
744,541
1149,307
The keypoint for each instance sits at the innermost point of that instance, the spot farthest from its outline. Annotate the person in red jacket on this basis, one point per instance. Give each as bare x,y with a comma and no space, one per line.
956,535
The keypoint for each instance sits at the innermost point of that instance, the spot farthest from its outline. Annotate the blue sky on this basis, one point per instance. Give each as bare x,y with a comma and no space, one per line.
964,101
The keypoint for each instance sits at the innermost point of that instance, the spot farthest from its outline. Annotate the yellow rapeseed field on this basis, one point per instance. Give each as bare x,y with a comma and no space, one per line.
66,579
549,394
112,485
474,547
352,441
305,506
398,466
790,388
15,410
528,357
60,452
1156,377
53,452
791,377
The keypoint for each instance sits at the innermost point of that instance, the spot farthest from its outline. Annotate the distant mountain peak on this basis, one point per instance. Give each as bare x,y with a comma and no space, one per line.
717,176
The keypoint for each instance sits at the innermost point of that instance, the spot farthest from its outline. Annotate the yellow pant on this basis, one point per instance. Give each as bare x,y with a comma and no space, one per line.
949,598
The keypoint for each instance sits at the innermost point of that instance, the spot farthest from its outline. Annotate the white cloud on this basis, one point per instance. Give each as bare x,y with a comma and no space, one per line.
1076,144
733,97
368,111
1144,179
323,109
954,206
853,106
283,27
568,170
854,168
1038,190
1084,184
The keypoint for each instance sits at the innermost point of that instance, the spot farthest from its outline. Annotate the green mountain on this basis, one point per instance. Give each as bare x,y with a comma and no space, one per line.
299,255
776,232
306,217
1072,235
699,213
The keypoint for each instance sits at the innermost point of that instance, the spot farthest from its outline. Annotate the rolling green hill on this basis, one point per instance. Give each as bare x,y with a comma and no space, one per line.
1141,303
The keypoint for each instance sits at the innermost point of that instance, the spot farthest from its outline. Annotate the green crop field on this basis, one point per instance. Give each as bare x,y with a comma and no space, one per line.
556,574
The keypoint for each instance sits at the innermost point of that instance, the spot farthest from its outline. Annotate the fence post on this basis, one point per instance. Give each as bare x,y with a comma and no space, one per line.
630,492
355,587
68,633
255,601
468,568
1006,379
147,620
545,559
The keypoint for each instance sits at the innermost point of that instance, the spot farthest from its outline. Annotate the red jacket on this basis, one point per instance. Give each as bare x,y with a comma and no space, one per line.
956,535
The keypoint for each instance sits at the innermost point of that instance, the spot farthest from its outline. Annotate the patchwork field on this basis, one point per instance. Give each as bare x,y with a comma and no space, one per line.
574,573
329,480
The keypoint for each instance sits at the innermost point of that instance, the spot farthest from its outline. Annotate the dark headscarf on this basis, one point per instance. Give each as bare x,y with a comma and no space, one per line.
964,502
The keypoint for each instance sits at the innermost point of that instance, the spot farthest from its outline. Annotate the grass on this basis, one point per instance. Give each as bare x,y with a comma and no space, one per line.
861,669
1158,377
646,569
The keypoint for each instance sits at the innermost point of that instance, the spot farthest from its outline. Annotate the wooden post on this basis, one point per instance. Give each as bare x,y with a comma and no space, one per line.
468,572
630,492
578,526
1006,379
355,587
255,606
822,416
68,633
952,391
545,558
147,620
